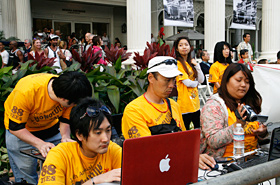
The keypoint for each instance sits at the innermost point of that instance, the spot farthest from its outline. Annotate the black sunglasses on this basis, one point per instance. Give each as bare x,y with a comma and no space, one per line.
93,112
166,62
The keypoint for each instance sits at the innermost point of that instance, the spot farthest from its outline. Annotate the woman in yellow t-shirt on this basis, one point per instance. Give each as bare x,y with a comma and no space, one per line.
187,83
218,117
222,58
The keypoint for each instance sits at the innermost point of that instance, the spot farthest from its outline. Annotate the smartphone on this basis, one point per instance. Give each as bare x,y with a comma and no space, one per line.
35,152
223,159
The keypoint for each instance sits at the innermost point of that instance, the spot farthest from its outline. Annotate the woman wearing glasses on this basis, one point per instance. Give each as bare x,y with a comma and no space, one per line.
187,83
222,58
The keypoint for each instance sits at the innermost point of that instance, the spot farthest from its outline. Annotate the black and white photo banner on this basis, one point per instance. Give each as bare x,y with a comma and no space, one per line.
178,13
244,14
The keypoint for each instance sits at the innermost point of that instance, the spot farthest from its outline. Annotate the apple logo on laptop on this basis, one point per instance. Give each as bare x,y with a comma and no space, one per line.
164,164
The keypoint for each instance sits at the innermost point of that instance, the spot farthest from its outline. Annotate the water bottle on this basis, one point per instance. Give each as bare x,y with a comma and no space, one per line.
238,140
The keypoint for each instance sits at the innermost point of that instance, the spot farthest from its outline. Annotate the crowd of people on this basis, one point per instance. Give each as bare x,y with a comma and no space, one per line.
44,110
54,46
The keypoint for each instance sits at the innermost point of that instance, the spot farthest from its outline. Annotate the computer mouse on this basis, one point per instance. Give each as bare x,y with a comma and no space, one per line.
216,167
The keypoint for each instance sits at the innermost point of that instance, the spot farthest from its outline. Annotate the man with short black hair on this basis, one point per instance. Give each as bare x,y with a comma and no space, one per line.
263,61
93,159
4,54
245,45
244,59
278,58
37,116
15,55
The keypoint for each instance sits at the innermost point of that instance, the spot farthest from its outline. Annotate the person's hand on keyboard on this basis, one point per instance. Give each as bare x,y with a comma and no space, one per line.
111,176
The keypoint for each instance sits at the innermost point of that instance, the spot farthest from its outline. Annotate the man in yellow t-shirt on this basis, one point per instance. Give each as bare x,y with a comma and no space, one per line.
93,159
216,72
151,109
37,116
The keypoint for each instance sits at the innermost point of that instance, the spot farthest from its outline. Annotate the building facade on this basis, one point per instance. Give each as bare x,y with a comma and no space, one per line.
133,21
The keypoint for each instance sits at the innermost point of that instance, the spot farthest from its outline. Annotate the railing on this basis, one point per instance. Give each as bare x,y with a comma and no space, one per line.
252,175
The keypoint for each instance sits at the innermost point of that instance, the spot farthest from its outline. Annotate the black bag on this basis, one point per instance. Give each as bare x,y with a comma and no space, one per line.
165,128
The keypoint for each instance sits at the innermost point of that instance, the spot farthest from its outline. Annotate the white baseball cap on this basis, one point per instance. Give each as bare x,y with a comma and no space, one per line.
53,37
164,65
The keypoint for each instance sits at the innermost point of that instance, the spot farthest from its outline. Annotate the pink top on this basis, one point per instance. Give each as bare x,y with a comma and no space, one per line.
95,49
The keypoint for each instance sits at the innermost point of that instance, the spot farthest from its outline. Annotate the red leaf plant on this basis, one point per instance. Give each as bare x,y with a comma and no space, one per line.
114,53
142,61
40,60
89,58
160,33
150,52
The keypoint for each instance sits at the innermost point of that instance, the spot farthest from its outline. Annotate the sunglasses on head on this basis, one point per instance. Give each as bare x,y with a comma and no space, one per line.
166,62
94,112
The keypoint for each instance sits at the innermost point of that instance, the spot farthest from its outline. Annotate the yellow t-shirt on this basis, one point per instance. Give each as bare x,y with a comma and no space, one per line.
216,72
66,165
250,141
30,103
188,98
139,115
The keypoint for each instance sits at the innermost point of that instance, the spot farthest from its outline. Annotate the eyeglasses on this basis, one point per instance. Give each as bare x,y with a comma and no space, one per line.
25,43
93,112
166,62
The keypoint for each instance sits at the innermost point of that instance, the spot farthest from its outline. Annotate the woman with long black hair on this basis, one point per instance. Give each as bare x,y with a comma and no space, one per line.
187,83
222,58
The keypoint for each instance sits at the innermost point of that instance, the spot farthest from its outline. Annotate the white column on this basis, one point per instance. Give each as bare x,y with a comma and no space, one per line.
138,24
154,18
256,44
228,36
168,31
9,18
270,29
214,21
24,22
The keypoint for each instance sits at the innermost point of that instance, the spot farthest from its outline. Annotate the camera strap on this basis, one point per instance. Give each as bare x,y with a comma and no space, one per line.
238,116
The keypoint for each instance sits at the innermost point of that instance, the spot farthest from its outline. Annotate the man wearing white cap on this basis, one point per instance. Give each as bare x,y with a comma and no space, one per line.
54,51
154,113
142,116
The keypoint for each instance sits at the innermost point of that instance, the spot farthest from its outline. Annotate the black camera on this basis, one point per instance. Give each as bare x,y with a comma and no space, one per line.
252,116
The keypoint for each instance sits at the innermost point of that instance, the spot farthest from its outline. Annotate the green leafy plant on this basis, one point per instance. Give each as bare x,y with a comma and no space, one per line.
4,161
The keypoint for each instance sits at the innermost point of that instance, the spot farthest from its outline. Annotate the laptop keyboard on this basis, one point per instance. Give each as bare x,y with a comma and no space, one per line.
254,161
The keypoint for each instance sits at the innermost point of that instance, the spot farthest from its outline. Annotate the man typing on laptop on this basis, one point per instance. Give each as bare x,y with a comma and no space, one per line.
153,113
93,159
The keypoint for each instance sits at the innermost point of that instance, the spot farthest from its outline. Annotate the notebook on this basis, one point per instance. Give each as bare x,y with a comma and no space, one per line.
161,159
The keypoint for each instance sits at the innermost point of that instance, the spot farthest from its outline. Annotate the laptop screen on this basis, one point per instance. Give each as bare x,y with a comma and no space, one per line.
161,159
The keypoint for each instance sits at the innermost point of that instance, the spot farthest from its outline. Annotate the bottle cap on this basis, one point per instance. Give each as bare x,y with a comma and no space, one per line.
238,124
